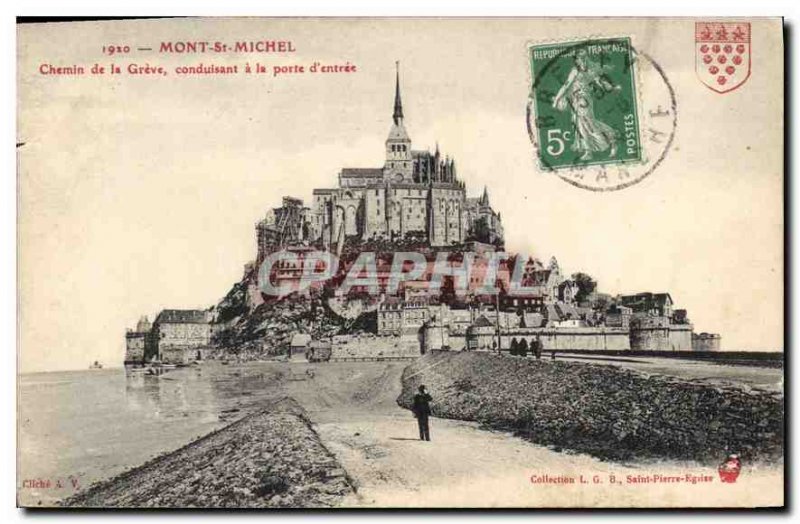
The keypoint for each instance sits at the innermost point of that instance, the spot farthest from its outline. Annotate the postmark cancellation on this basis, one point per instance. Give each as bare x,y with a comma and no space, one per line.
600,114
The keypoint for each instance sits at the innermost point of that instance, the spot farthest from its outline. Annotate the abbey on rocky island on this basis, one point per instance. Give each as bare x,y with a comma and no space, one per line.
415,195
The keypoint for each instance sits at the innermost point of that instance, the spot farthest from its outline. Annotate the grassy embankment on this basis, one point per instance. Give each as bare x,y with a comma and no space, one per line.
606,411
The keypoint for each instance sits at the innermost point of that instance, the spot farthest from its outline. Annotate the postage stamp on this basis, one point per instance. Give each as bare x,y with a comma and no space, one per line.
600,115
722,59
585,103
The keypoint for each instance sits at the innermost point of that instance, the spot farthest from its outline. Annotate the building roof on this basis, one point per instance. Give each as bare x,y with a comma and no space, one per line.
705,335
552,313
300,340
482,321
646,301
530,291
391,303
408,185
182,316
615,309
566,311
485,299
570,283
361,172
532,320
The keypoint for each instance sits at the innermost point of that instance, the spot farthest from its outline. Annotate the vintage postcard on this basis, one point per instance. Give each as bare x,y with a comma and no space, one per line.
401,263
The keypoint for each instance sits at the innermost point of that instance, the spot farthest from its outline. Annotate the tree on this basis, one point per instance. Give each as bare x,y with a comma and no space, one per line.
600,301
586,286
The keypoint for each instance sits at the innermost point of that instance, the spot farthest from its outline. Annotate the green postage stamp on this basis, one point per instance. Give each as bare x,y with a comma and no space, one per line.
585,103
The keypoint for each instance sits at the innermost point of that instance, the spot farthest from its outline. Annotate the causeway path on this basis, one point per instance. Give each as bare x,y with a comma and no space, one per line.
352,407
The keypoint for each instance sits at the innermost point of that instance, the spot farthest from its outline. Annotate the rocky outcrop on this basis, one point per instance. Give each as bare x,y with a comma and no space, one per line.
271,459
251,332
606,411
254,329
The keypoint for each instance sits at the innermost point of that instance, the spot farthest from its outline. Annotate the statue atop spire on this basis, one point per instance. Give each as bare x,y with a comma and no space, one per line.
398,104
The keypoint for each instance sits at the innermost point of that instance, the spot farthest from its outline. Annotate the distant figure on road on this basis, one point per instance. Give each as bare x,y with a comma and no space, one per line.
422,410
537,347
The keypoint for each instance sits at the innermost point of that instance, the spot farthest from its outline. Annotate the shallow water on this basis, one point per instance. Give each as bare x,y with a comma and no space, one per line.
78,427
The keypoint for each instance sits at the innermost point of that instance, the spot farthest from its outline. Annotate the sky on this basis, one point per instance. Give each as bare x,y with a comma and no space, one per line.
138,193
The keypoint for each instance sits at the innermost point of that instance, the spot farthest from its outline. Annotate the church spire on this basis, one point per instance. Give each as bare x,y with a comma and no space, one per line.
485,197
398,104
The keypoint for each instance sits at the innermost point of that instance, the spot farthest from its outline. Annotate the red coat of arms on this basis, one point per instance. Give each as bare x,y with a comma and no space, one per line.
730,469
722,56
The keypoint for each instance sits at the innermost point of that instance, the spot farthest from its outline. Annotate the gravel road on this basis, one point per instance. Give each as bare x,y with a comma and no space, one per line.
353,408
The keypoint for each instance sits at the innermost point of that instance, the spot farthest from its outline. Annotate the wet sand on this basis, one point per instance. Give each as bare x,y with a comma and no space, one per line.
352,408
76,428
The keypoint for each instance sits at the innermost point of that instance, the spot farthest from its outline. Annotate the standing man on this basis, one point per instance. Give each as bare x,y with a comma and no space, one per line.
422,410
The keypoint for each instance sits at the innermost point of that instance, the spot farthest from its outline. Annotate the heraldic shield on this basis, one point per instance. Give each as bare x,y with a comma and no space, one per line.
722,54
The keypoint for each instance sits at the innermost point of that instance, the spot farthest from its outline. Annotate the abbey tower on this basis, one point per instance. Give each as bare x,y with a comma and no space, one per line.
416,195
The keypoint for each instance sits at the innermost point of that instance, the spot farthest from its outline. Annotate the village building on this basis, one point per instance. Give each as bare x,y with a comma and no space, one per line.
134,348
654,325
706,342
415,314
299,346
319,351
414,290
138,343
530,319
568,291
481,334
182,335
390,317
618,316
648,304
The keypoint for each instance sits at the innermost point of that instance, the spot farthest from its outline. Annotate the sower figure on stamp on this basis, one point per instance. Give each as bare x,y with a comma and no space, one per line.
577,93
422,410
